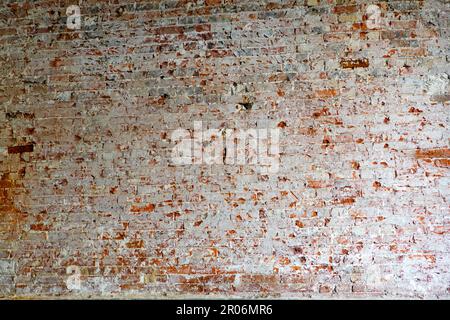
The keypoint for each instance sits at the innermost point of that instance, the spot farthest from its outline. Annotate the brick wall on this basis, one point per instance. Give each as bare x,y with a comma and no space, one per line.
92,204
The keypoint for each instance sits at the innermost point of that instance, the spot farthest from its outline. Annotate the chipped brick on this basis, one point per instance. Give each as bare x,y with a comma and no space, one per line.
354,63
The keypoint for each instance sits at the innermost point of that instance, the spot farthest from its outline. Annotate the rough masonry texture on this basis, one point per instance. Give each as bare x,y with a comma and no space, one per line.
92,205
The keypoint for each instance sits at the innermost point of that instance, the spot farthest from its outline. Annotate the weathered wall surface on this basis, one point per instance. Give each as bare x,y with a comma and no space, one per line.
91,203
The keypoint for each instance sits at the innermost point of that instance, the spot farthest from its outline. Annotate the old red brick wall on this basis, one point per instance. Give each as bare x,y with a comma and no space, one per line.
92,203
